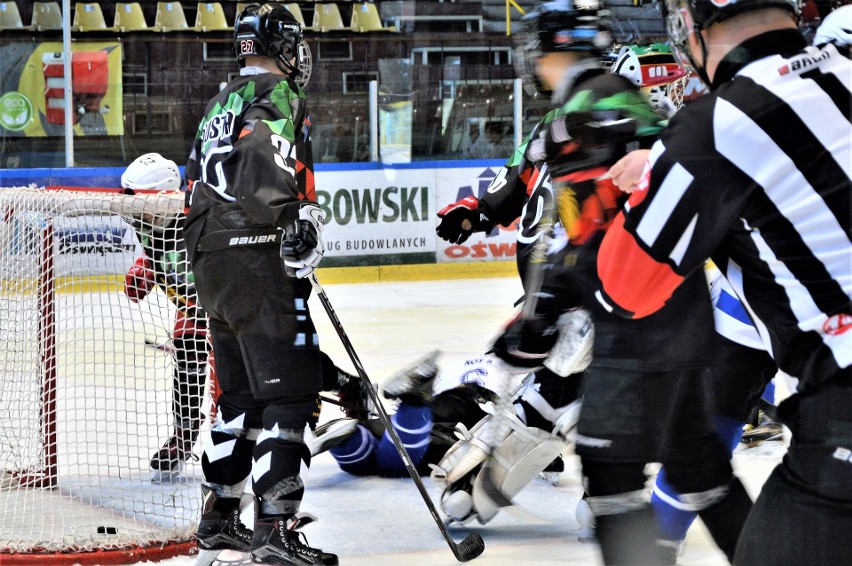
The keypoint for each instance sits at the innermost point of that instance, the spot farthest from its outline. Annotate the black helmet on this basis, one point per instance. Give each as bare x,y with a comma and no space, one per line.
561,25
683,17
270,30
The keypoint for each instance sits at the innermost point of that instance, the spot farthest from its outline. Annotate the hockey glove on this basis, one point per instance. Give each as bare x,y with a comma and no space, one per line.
302,246
550,141
526,342
460,219
139,279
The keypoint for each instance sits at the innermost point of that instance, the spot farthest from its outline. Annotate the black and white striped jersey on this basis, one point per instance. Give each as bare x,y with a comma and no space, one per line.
756,175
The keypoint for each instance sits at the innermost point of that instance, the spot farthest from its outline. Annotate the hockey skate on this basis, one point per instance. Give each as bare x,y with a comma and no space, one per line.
355,399
220,527
168,463
332,434
765,430
280,542
413,385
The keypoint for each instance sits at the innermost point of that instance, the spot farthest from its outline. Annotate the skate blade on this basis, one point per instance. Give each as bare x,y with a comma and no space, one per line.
223,558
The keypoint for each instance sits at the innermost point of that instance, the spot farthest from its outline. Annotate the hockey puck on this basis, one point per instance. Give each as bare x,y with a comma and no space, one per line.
107,531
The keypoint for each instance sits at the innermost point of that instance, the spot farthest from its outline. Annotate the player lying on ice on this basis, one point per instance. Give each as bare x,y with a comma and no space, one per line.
484,432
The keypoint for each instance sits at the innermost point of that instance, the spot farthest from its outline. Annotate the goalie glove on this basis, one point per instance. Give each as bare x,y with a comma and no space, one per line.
139,279
526,342
302,246
460,219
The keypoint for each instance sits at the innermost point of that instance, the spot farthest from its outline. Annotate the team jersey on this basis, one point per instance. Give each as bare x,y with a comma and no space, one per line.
521,190
253,148
755,175
680,336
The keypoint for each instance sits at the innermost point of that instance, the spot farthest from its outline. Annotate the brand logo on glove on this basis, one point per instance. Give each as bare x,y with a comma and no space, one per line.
251,240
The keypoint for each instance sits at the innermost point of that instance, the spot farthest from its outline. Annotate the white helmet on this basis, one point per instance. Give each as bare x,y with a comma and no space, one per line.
836,28
152,171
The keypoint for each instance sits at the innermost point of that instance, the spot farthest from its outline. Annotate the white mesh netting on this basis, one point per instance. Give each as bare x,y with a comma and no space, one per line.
87,375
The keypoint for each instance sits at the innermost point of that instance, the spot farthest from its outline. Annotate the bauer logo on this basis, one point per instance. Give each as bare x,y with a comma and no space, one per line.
16,111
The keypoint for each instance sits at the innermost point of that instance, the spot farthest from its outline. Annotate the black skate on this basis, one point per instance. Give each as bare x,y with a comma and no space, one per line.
332,434
279,542
169,460
220,527
354,398
766,430
413,385
553,472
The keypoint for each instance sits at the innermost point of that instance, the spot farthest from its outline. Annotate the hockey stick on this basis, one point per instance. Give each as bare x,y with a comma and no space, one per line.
473,545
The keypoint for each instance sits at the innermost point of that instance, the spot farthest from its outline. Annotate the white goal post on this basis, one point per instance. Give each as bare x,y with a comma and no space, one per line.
86,382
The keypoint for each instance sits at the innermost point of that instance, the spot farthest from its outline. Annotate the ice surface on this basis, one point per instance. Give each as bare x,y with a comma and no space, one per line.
380,521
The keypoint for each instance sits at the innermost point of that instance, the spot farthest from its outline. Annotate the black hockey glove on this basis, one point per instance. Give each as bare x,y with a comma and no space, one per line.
550,141
302,246
526,342
460,219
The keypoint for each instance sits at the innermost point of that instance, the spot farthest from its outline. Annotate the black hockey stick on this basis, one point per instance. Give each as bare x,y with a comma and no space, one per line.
473,545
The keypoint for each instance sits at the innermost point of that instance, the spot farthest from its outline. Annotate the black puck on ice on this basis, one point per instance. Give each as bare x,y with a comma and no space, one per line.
107,531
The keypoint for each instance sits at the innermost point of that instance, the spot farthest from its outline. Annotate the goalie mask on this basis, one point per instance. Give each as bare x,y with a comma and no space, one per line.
685,17
270,30
151,171
563,25
656,72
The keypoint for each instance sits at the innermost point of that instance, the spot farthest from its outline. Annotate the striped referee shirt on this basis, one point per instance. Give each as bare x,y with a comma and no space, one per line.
756,175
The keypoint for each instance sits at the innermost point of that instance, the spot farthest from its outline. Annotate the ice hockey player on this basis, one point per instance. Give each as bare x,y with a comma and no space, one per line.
729,180
448,421
163,264
654,394
253,233
654,69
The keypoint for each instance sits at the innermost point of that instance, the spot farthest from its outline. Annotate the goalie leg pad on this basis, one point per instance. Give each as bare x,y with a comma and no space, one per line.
469,452
516,462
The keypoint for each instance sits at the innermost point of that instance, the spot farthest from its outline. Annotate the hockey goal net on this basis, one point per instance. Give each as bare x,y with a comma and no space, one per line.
86,378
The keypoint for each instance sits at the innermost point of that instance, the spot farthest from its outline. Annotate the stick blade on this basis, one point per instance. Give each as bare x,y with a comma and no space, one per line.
468,549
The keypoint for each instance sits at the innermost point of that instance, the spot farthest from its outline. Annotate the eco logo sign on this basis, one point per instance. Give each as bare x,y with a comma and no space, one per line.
16,111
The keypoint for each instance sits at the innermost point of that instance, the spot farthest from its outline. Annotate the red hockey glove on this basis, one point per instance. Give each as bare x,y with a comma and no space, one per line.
139,279
460,219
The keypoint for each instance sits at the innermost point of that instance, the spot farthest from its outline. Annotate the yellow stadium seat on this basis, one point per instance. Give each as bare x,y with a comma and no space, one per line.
129,17
10,16
171,17
211,17
327,18
365,17
294,9
47,16
88,16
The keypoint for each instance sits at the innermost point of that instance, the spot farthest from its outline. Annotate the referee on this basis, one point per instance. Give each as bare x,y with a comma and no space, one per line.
757,175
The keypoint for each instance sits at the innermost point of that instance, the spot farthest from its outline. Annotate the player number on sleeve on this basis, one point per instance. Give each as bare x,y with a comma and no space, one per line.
286,150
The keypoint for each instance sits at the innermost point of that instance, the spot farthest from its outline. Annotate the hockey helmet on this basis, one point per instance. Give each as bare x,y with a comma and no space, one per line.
559,26
270,30
684,17
654,69
151,171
